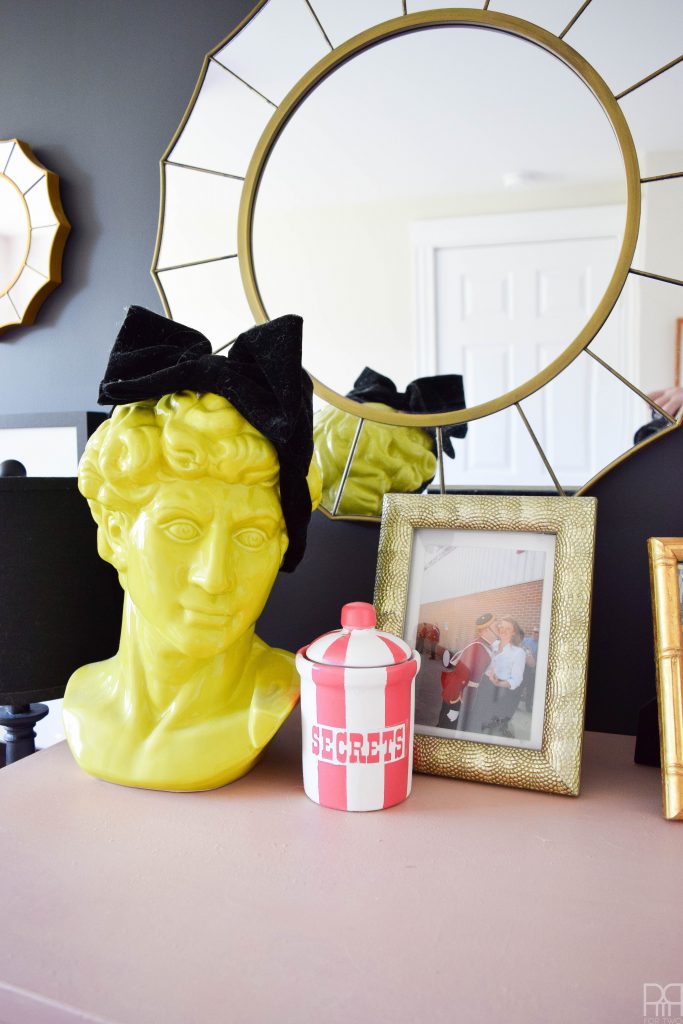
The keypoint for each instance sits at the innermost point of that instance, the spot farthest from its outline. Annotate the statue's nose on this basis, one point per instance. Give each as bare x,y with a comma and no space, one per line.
212,569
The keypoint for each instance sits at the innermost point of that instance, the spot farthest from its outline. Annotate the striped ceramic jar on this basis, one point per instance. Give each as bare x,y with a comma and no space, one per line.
357,711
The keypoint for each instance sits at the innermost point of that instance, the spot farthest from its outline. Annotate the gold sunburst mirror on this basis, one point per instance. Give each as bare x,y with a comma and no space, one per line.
33,233
488,190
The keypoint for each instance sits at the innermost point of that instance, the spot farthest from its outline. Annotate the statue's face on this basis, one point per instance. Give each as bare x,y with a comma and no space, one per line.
398,459
201,559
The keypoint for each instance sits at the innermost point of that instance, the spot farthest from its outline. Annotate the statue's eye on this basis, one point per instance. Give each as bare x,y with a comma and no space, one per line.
251,538
182,529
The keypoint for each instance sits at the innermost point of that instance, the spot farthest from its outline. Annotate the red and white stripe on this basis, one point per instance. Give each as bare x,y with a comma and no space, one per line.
358,647
357,724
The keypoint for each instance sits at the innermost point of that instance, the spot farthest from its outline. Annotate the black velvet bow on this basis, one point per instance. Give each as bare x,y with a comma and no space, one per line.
261,376
424,395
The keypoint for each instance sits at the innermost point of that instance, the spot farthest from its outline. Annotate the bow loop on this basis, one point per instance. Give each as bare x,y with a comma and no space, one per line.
436,394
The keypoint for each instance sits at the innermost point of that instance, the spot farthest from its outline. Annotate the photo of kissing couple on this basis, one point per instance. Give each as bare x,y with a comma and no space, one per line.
483,622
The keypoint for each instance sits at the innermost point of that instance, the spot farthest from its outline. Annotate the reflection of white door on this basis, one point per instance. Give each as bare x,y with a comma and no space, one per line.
497,299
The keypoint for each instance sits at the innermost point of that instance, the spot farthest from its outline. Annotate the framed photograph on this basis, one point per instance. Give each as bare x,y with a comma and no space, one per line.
495,594
666,574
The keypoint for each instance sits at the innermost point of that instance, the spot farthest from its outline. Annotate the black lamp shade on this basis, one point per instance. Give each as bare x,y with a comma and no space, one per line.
60,604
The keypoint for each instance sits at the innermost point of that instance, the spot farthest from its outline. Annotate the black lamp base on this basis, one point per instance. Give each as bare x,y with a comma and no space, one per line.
18,721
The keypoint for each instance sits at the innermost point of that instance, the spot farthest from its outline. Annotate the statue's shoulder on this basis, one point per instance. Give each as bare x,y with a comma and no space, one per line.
92,684
276,690
272,665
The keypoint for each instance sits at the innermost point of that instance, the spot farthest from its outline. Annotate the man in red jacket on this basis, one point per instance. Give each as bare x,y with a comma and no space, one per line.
467,668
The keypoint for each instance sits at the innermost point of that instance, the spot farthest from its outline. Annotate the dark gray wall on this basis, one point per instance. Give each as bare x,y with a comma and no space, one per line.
97,88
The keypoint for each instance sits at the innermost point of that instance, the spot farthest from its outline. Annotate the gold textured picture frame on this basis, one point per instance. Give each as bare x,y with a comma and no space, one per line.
554,764
666,575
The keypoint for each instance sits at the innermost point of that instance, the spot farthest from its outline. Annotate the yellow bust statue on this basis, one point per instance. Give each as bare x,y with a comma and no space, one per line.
387,458
186,496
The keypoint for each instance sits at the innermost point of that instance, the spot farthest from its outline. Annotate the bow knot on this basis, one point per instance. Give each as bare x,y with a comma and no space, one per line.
261,375
424,395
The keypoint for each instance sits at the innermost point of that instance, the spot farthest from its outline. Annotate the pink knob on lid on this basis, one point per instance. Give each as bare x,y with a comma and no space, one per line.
358,644
358,615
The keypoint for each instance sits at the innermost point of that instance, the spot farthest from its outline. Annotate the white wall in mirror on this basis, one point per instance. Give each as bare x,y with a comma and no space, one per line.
340,192
649,360
509,281
495,298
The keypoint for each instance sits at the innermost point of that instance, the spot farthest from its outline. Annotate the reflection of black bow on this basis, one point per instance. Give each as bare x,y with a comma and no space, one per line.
261,376
424,395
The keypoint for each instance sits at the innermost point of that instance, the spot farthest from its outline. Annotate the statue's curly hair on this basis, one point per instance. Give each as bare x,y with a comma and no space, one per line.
183,435
404,454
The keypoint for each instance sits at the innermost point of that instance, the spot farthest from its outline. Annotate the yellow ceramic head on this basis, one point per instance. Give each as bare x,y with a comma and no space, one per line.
388,459
185,493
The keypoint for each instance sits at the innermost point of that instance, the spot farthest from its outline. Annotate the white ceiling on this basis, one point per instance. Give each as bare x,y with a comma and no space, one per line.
454,110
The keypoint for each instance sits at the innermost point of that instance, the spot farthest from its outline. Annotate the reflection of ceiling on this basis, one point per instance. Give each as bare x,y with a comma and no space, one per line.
474,107
628,39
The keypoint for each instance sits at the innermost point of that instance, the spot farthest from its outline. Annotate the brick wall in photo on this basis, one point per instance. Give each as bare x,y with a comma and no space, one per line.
522,601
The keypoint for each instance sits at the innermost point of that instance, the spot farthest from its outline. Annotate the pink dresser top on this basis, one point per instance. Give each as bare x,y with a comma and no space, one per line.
251,904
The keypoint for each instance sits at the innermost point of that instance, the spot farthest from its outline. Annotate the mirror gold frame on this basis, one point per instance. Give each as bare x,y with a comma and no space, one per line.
484,19
419,21
46,279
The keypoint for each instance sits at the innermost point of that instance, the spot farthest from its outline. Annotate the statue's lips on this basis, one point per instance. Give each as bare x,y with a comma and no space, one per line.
202,617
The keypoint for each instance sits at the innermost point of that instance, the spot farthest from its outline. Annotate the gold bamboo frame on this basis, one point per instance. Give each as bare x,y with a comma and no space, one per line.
485,19
556,766
62,228
665,554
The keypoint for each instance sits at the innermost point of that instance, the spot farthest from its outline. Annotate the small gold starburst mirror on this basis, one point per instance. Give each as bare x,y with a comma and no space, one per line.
33,232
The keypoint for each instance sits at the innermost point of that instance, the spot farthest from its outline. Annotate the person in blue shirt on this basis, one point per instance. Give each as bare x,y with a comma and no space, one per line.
498,693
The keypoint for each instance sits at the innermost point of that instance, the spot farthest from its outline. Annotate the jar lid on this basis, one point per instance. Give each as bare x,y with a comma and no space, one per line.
358,644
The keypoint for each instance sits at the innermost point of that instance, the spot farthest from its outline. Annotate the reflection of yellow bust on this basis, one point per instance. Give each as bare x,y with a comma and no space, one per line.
185,495
387,459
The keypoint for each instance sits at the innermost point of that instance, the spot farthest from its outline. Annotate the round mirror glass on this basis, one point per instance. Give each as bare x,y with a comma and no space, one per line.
428,208
14,233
